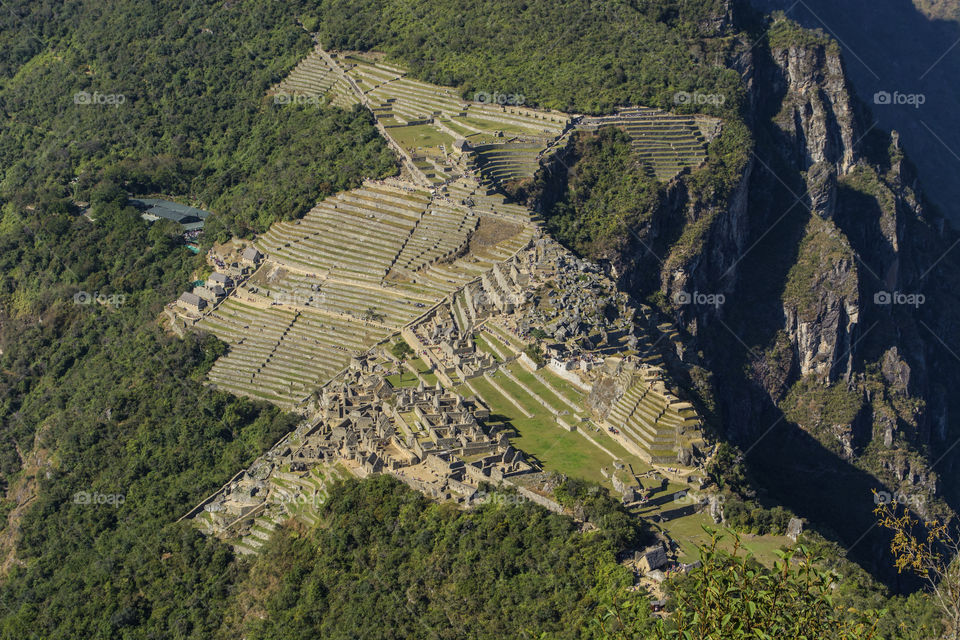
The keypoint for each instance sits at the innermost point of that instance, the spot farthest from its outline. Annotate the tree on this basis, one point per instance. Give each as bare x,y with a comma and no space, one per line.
401,350
931,554
731,596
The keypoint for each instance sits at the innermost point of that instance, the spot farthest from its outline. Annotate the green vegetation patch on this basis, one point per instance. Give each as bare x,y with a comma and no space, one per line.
814,405
171,99
825,264
386,558
608,194
560,54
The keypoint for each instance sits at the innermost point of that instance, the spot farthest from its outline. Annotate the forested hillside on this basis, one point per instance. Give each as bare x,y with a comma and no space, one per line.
170,99
108,434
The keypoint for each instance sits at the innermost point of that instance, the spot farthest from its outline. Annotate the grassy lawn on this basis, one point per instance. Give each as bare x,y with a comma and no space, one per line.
546,395
503,337
571,454
403,379
689,534
570,391
421,135
492,340
424,370
606,440
489,125
540,437
484,346
527,401
460,129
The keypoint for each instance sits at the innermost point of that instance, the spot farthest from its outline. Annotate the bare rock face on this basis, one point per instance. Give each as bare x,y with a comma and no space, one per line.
817,108
604,394
821,308
895,371
822,189
821,303
715,509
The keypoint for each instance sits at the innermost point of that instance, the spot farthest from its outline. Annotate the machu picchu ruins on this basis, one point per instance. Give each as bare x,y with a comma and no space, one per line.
414,322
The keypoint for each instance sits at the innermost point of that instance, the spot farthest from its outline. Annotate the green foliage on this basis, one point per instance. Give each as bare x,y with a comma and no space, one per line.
400,349
816,406
386,562
746,517
732,597
535,353
194,120
538,333
562,54
912,617
593,503
784,33
607,194
824,266
108,405
727,470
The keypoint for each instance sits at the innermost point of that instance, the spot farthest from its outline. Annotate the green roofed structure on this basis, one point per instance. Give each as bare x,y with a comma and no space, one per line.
190,218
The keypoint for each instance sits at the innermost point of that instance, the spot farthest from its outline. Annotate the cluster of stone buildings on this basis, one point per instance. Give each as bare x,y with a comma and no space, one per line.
578,306
433,439
505,287
447,348
219,284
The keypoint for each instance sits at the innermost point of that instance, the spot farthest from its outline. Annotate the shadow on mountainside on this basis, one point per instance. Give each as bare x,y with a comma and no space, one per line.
892,49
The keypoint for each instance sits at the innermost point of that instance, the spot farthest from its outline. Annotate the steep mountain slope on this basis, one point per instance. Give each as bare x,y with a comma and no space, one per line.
835,347
894,51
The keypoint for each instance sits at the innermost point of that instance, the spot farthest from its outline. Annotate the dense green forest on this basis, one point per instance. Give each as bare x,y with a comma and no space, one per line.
595,193
575,56
170,98
389,563
106,423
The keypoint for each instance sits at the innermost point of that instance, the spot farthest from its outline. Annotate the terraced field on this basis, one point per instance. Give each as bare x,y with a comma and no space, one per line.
359,267
507,161
289,495
654,421
666,143
281,355
505,141
314,77
355,234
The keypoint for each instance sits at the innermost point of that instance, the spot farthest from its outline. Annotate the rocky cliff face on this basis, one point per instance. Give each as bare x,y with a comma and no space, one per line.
817,110
822,254
817,132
